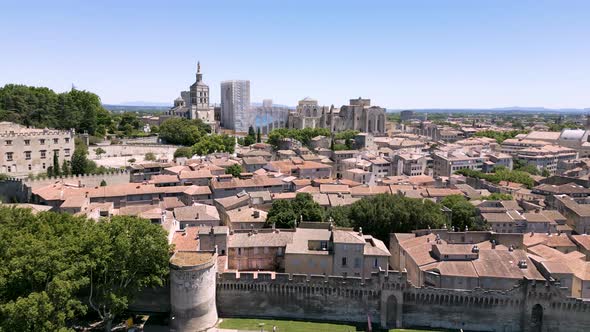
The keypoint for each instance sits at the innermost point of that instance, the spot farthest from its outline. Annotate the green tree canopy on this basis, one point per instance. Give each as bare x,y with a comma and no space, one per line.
184,151
497,197
302,135
285,213
234,170
183,131
49,262
214,143
462,212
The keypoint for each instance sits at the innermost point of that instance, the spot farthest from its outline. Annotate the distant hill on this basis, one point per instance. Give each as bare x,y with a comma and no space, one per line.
136,108
144,103
515,109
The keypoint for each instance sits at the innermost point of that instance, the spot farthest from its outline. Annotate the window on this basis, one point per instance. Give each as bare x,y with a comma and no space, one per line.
239,251
255,250
55,140
30,167
343,261
9,157
27,142
43,154
42,141
376,263
67,139
28,155
67,152
43,165
8,142
9,169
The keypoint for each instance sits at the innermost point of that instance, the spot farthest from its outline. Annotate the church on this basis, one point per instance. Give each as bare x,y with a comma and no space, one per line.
358,115
194,104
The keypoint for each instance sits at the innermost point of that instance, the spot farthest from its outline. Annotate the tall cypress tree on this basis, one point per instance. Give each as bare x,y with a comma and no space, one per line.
56,169
258,135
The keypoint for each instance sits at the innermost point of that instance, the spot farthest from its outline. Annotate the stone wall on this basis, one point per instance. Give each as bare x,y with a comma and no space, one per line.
20,190
393,302
297,297
387,297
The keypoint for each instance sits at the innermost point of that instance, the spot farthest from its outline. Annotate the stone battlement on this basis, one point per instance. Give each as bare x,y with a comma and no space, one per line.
36,133
389,298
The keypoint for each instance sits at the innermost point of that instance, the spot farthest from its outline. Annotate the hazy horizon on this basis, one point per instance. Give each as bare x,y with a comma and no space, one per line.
400,54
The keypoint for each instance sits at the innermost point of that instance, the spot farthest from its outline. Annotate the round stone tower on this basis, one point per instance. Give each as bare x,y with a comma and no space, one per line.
192,291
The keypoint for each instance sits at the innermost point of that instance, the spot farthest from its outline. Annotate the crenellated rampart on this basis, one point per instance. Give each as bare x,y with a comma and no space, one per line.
389,299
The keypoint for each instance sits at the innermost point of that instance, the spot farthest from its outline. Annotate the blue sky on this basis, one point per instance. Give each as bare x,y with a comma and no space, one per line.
401,54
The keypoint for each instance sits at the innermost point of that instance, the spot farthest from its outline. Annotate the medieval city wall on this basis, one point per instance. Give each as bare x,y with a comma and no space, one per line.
393,302
298,297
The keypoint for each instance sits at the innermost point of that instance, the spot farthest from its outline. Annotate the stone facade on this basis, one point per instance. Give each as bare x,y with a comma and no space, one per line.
358,115
30,150
193,104
192,291
390,300
387,297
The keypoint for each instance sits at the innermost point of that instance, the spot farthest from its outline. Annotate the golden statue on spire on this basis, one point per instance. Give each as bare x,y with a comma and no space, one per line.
198,67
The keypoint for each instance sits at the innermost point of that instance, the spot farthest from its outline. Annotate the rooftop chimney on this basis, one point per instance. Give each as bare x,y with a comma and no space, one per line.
360,231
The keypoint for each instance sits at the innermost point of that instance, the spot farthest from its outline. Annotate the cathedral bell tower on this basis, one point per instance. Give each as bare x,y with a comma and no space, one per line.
199,75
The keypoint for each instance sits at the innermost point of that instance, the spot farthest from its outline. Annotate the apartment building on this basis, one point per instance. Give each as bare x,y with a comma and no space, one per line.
546,157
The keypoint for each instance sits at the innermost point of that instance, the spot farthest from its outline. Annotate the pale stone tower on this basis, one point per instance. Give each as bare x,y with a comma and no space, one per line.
199,95
192,290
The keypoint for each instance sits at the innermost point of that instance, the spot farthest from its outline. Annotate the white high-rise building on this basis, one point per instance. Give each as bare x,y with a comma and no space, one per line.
235,105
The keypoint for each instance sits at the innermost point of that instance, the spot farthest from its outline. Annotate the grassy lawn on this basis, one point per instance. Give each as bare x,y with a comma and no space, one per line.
283,325
252,324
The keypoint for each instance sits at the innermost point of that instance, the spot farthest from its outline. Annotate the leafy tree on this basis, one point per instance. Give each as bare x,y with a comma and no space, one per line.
497,197
131,161
183,152
545,172
348,137
258,135
183,131
384,214
103,183
500,174
99,152
302,135
65,168
43,264
285,213
463,213
214,143
130,254
42,107
150,156
500,136
79,161
234,170
281,214
309,209
251,131
339,216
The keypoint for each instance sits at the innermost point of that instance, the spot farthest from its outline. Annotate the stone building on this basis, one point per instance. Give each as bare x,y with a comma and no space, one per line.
308,114
194,104
358,115
31,150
